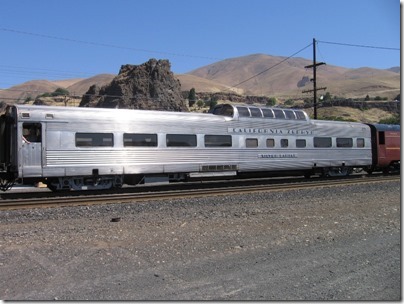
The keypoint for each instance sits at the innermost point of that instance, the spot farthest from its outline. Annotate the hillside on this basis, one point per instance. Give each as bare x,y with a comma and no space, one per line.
275,78
289,78
189,81
33,88
27,89
81,87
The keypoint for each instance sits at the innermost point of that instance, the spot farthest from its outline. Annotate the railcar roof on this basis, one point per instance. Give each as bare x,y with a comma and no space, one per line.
40,112
222,111
385,127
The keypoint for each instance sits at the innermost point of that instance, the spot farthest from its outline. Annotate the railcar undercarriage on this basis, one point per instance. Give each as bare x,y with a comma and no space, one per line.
337,171
394,167
6,184
85,182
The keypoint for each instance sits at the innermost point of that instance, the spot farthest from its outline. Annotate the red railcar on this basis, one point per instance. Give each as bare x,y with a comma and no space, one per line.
385,147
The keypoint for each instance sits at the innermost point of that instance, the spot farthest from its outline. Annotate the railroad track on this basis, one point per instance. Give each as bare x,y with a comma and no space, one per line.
122,197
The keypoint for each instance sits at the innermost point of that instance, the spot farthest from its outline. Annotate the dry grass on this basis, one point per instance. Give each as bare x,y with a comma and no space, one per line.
373,115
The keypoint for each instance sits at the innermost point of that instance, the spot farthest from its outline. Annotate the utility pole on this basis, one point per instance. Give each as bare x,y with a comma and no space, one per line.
314,79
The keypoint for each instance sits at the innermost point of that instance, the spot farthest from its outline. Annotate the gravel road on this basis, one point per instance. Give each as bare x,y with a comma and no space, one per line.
329,243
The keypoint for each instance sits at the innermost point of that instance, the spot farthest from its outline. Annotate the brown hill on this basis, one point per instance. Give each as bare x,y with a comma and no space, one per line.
277,77
189,81
27,89
33,88
81,87
65,83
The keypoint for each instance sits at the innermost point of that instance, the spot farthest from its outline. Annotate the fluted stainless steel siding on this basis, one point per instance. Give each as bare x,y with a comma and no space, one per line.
62,157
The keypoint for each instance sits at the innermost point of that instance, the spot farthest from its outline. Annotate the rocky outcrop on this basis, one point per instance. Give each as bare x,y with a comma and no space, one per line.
232,97
149,86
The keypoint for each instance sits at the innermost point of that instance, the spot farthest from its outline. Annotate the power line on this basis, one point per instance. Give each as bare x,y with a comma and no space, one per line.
360,45
271,67
104,44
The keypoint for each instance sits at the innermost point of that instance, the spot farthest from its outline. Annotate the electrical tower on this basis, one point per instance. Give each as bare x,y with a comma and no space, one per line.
314,79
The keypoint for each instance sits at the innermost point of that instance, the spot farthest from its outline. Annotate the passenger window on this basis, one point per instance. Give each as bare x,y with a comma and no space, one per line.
289,114
94,140
181,140
243,112
360,142
267,113
255,112
279,114
270,143
224,110
344,142
31,132
251,142
284,143
218,141
322,142
139,140
300,115
227,111
300,143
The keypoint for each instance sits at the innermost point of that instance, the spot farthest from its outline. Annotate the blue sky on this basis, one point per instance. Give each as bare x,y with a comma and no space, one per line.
60,39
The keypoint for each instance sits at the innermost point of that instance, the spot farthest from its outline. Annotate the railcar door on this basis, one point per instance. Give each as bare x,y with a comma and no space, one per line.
382,147
31,149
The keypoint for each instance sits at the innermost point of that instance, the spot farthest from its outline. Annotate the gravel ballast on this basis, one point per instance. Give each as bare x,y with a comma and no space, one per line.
329,243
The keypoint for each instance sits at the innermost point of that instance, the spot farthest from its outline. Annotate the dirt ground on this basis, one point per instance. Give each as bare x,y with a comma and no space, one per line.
330,243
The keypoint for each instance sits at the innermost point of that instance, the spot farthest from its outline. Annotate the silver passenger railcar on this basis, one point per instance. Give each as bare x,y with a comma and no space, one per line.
94,148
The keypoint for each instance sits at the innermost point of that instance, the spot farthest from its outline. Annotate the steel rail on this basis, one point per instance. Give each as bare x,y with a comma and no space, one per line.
175,194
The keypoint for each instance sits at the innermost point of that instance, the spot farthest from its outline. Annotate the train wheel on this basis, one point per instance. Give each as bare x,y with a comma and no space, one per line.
336,171
369,170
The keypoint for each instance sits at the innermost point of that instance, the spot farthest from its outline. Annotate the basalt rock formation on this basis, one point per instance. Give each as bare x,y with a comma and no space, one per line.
149,86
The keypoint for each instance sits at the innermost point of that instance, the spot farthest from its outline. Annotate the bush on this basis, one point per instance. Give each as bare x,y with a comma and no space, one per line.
289,102
392,120
271,102
60,92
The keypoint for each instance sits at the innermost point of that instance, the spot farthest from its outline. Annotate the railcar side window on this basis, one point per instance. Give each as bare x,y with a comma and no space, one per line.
300,143
300,115
224,110
181,140
360,142
94,140
31,132
284,143
344,142
139,140
267,113
251,142
243,112
270,143
255,112
322,142
279,114
289,114
218,141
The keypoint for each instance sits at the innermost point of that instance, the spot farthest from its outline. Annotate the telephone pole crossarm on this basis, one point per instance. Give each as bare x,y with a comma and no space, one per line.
314,65
318,89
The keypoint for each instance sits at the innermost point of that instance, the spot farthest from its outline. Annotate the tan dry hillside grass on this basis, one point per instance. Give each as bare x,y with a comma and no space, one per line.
373,115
